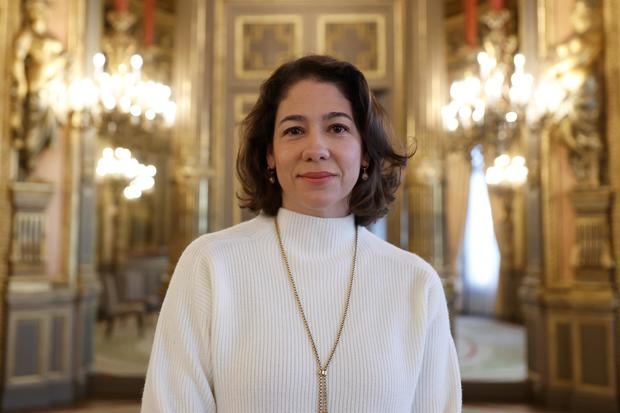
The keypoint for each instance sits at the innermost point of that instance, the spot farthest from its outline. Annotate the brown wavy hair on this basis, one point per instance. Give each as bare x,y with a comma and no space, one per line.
369,200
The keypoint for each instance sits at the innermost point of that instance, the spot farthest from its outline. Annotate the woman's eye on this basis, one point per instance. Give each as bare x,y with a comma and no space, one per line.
295,130
339,129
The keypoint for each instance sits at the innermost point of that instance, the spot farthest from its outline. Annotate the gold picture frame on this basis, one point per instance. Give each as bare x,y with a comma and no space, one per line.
241,47
324,47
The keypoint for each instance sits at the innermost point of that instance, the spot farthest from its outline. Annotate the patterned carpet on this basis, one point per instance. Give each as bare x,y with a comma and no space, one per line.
124,353
490,350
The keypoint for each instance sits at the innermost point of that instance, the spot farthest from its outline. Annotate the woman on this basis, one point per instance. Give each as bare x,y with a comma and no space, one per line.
302,308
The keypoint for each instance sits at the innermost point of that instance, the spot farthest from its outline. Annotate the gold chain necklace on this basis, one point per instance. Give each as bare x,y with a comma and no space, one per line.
321,369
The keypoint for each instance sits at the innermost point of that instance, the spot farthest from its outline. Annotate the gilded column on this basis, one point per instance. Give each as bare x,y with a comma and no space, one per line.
191,147
530,291
426,83
83,41
8,25
425,42
611,13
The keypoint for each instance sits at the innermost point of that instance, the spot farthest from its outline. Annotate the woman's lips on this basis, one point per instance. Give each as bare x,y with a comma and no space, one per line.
317,177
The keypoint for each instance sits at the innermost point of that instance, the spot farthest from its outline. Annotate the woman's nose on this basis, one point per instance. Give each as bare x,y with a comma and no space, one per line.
316,146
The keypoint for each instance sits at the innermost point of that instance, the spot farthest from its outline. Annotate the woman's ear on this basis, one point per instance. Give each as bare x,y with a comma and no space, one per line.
271,162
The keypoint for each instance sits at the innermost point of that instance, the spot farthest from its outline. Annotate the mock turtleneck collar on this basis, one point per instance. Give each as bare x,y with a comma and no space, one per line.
310,236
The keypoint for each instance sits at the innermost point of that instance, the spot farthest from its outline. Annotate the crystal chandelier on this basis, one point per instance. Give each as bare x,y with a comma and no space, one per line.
124,90
118,164
507,171
118,92
488,98
489,108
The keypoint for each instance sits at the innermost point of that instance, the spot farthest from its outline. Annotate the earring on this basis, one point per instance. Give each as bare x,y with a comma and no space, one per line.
364,173
272,175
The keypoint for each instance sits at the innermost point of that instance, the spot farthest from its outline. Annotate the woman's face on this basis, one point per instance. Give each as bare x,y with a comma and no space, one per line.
317,149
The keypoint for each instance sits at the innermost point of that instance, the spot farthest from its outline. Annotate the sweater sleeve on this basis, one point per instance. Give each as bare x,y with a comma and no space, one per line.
439,384
179,375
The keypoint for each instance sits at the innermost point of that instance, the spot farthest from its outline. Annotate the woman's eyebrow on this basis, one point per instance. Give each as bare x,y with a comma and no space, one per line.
298,118
327,116
332,115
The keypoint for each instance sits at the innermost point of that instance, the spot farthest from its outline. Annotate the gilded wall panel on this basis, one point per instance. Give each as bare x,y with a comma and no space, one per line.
594,372
40,346
58,330
558,214
563,353
553,23
595,348
532,323
358,38
26,349
612,76
581,347
243,104
557,325
264,42
60,348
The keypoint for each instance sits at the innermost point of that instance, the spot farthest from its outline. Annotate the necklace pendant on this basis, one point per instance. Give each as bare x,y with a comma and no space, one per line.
322,391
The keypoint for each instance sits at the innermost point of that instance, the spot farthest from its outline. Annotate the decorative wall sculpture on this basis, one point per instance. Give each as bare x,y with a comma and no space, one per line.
38,76
38,70
577,68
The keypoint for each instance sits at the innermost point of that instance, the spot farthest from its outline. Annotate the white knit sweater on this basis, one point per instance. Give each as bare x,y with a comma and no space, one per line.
230,338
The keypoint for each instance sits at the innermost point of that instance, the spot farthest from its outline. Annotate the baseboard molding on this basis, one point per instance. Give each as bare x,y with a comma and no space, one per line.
110,387
40,395
496,392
